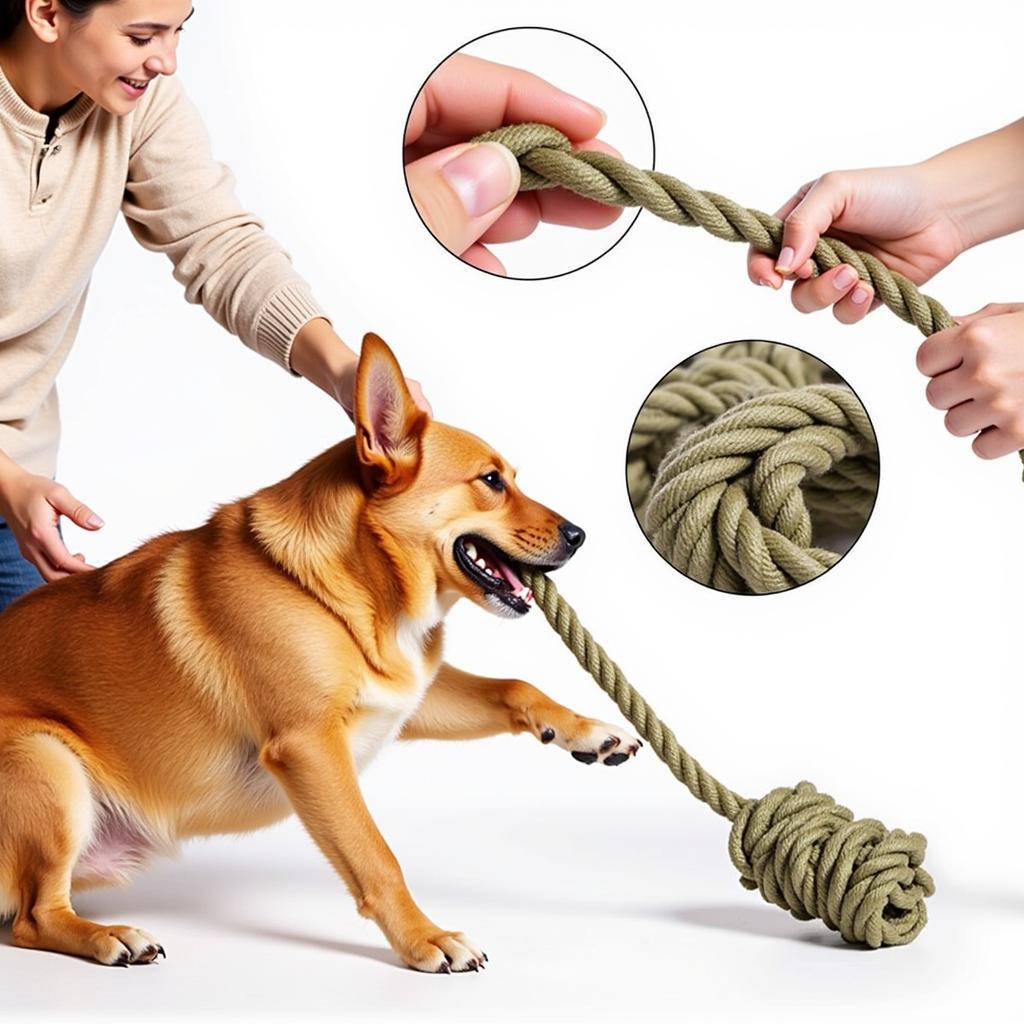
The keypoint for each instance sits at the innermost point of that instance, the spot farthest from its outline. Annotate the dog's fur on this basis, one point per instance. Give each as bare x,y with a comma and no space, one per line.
216,679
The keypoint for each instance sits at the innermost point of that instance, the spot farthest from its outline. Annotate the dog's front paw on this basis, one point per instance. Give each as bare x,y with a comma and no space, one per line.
590,740
444,953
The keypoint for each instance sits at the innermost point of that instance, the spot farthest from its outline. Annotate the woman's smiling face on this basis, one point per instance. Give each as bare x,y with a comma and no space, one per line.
118,48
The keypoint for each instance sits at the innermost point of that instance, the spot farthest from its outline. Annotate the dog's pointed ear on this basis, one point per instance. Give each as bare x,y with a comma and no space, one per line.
389,424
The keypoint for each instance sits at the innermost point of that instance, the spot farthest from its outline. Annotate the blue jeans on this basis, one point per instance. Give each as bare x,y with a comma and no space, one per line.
17,576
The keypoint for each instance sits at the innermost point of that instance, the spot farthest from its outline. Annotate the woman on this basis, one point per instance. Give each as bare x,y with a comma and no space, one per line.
87,102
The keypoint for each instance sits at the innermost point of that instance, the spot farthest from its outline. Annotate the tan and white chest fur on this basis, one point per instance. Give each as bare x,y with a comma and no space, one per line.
384,709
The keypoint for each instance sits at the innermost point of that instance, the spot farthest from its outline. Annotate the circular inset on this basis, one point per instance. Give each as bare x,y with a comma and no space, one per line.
752,467
465,194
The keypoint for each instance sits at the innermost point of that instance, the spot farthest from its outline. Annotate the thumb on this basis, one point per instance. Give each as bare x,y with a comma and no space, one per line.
462,190
78,512
808,220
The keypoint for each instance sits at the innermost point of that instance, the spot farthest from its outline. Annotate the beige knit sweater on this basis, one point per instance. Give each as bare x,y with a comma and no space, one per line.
58,203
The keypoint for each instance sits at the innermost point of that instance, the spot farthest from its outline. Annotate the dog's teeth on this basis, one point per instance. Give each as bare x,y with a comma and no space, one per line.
471,551
488,570
480,562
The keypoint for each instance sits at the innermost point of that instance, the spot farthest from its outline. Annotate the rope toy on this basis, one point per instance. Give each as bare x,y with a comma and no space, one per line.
738,459
546,159
796,846
800,849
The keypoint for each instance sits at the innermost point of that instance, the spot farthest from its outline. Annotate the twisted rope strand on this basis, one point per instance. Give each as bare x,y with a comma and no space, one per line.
796,846
547,160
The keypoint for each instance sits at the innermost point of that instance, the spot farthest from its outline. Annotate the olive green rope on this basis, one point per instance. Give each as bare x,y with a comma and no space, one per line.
709,384
800,849
547,160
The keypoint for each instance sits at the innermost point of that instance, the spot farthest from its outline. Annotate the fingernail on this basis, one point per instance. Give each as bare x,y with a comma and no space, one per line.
483,177
783,264
765,283
94,520
859,296
584,106
845,277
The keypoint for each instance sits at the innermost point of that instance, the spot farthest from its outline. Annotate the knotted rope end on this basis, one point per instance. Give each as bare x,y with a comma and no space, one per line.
808,855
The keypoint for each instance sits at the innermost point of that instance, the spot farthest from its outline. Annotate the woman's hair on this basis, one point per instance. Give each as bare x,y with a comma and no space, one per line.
13,11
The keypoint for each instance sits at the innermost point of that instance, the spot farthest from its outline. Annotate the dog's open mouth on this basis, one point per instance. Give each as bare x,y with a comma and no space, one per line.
493,571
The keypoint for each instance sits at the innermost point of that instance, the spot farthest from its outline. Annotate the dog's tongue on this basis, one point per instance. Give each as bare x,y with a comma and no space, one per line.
510,577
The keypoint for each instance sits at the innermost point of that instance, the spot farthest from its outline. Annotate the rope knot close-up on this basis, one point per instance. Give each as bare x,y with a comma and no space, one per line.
743,458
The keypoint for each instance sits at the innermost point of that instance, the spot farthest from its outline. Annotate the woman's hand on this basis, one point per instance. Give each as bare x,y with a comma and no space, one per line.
345,390
32,506
468,195
319,355
899,214
977,373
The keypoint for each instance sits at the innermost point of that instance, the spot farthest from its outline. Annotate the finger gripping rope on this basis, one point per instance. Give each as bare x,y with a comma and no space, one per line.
796,846
546,159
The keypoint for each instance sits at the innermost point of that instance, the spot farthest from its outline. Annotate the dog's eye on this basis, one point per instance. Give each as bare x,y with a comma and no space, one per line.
493,480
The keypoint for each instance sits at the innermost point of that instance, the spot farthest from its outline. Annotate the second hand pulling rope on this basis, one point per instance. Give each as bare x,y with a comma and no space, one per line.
798,847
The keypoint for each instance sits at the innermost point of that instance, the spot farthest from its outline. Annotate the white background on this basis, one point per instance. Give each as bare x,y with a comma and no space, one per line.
892,682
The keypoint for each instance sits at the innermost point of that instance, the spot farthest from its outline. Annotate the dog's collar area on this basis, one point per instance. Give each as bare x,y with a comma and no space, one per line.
494,571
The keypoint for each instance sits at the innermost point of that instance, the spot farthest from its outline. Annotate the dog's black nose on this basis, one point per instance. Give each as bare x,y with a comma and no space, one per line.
572,535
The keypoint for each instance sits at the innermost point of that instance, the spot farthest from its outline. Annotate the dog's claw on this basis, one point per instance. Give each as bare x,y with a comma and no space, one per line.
160,950
445,968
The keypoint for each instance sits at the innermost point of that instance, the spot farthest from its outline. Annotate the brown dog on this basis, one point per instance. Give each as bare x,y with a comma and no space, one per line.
279,646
